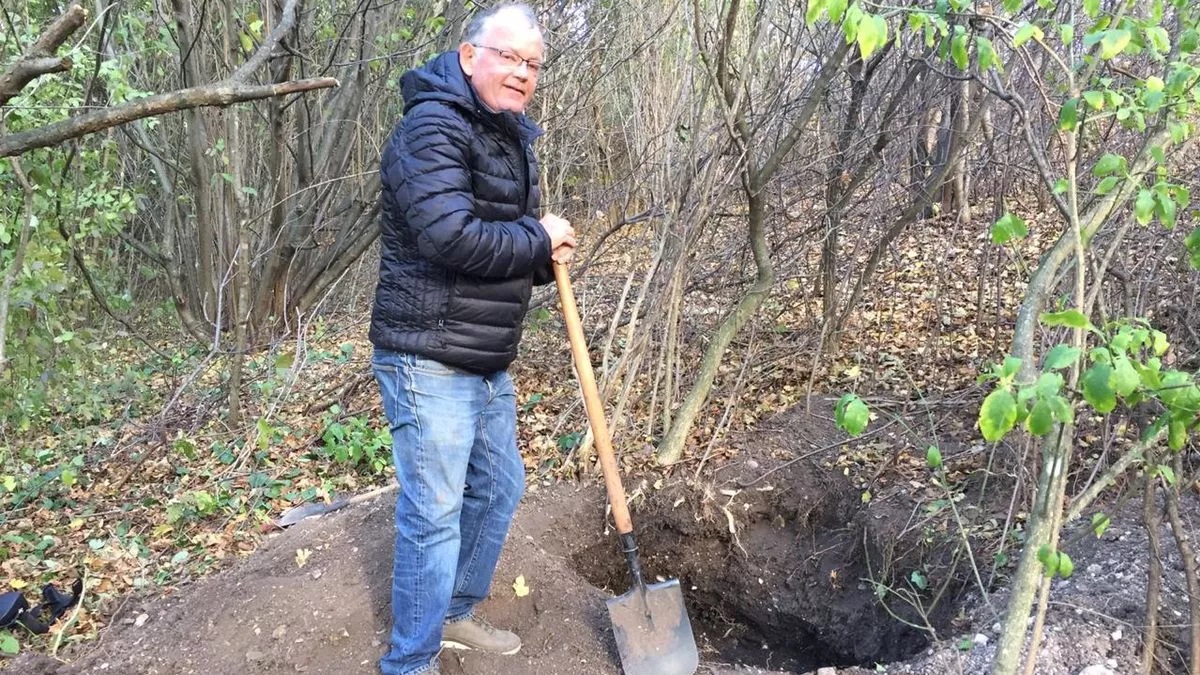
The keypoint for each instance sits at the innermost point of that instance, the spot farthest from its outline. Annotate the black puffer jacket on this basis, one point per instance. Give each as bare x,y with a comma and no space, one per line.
461,244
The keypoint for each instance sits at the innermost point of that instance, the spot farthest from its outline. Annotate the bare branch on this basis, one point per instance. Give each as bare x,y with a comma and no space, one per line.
218,94
286,21
40,59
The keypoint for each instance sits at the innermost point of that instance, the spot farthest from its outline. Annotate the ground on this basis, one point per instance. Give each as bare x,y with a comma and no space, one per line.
769,547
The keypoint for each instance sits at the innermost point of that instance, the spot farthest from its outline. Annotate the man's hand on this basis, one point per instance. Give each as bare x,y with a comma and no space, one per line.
562,254
560,231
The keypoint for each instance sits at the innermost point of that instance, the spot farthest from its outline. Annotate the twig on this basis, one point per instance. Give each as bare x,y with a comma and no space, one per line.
74,615
1150,520
1118,467
1183,540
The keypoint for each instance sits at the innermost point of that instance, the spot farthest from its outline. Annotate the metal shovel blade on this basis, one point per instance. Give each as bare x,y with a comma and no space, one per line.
654,634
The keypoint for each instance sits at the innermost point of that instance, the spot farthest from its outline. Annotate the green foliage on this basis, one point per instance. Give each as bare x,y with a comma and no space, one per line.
1055,562
8,643
1125,367
357,442
80,202
1009,228
851,414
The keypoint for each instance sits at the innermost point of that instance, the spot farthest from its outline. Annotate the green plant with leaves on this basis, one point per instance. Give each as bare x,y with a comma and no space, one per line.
356,441
1105,98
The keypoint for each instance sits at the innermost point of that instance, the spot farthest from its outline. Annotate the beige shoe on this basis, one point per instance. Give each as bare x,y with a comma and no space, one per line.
475,633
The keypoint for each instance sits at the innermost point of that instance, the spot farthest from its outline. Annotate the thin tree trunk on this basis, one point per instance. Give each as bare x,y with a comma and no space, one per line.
1152,521
1188,554
18,261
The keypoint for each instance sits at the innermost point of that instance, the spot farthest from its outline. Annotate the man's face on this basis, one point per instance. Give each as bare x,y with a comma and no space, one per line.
502,65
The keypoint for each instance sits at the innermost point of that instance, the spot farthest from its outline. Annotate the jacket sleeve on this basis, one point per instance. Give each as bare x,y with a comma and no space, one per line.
543,275
432,183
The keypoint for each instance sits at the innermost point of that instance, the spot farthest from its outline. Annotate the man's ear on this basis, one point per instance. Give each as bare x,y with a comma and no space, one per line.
466,58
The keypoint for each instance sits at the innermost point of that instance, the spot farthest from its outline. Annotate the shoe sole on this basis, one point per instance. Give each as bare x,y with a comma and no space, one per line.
451,644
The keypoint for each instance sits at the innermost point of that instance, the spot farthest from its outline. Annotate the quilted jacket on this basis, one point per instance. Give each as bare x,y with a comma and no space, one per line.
460,241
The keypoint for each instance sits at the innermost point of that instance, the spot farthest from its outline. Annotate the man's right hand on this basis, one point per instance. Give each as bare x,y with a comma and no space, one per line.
560,231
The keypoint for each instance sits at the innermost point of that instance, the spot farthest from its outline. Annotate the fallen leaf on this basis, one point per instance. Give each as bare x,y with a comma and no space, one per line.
520,588
302,556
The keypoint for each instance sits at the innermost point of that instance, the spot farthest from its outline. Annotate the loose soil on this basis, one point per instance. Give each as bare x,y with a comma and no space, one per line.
779,555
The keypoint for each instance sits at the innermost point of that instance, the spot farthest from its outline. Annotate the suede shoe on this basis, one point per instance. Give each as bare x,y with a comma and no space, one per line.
475,633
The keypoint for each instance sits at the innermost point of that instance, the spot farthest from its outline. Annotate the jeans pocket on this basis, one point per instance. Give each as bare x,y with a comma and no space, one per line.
434,367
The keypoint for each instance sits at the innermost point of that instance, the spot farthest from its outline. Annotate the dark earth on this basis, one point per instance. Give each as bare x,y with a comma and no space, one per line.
771,548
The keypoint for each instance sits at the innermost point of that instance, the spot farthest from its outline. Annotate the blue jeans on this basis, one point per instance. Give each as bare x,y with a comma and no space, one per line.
454,442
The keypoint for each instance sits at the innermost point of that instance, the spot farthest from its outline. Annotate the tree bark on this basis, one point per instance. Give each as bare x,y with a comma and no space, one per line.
39,59
220,94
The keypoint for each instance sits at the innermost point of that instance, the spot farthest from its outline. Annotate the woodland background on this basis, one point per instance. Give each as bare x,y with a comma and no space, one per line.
958,207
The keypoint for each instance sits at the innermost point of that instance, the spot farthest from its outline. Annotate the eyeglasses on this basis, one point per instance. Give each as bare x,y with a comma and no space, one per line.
514,60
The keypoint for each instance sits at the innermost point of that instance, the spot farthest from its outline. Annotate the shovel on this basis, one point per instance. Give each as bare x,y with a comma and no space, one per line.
654,634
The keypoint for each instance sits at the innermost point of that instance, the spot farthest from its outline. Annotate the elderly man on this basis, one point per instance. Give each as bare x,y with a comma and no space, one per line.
461,247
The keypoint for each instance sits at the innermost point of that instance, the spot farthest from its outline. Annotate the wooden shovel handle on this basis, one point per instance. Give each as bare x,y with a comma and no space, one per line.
591,400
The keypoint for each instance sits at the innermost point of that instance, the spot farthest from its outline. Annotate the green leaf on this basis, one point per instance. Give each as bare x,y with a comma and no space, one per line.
852,415
1143,207
987,54
1167,209
1107,185
1061,407
1154,83
1167,473
1026,32
1049,559
1125,377
1158,39
1072,318
933,458
1048,385
1095,99
247,43
1091,8
1060,357
1097,388
1189,40
872,34
997,415
919,580
1066,567
1176,435
1068,117
1109,164
814,11
1041,420
1010,367
1008,228
958,50
1192,243
1066,33
8,643
1100,523
1114,42
837,8
1159,342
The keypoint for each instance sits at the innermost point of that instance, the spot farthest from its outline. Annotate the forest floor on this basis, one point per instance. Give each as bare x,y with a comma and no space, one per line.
798,548
769,550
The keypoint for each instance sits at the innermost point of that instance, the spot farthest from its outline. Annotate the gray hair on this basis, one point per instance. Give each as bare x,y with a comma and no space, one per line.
479,23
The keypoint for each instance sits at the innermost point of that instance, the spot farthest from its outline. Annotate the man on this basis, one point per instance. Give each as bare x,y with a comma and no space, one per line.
461,248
